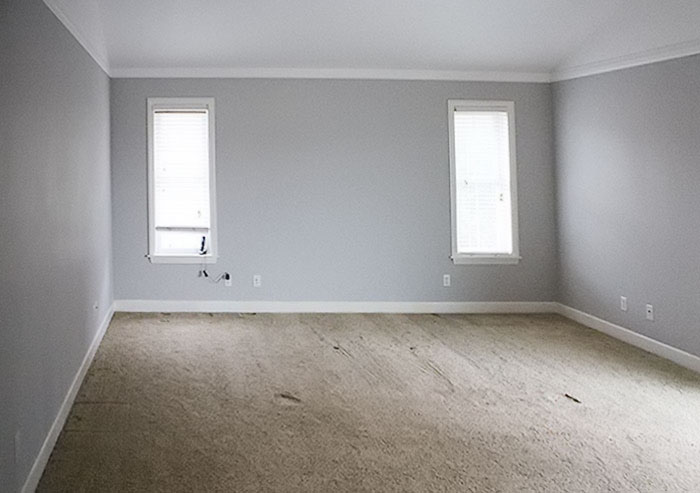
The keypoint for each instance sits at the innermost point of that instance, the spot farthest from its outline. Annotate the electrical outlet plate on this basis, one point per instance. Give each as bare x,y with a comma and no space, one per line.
446,280
623,303
228,282
650,312
257,280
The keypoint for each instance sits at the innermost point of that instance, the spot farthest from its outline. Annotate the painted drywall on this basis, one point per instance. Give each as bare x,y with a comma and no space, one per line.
55,225
628,207
333,190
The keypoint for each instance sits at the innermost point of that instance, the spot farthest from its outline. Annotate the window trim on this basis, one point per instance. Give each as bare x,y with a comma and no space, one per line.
454,105
182,103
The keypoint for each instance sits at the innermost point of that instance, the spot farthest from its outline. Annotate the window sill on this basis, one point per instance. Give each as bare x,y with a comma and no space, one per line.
486,259
182,259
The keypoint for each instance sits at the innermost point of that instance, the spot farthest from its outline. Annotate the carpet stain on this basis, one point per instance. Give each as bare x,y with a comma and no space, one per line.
342,350
288,397
572,398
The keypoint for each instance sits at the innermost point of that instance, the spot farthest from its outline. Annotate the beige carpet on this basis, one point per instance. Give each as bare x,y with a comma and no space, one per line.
376,403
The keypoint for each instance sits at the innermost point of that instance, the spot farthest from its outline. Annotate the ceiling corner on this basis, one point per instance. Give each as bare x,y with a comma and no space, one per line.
94,47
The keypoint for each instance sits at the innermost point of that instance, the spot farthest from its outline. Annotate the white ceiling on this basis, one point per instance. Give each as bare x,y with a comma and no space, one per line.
528,40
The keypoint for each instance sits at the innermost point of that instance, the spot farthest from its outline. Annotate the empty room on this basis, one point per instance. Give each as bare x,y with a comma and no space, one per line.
323,246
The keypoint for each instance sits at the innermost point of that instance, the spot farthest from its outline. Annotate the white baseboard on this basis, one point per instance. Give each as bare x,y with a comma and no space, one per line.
648,344
42,458
224,306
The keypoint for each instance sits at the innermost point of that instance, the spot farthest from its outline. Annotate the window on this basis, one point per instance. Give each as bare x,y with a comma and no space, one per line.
483,182
181,191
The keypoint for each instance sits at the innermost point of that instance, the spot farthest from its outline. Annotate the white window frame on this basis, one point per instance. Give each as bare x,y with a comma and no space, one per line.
154,104
457,257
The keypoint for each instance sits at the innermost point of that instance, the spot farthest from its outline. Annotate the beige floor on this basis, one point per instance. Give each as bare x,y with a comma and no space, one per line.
376,403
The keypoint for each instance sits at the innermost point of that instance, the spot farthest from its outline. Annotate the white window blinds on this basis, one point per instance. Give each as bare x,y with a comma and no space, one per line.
482,203
180,190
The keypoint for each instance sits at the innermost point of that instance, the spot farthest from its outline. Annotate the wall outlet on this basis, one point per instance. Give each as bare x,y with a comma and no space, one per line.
228,282
257,280
623,303
446,280
650,312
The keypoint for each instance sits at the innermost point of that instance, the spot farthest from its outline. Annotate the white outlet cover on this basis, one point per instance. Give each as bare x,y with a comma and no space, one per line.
446,280
650,312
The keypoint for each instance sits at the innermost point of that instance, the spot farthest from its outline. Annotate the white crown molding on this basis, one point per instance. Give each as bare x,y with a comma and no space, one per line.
225,306
648,344
84,41
670,52
327,73
42,458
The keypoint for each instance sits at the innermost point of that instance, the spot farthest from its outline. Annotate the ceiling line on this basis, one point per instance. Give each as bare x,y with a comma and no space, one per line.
328,73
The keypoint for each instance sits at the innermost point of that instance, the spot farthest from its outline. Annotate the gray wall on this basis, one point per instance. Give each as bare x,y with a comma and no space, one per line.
628,197
333,190
55,225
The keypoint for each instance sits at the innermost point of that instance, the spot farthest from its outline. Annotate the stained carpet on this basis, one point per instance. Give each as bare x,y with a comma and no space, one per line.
483,403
